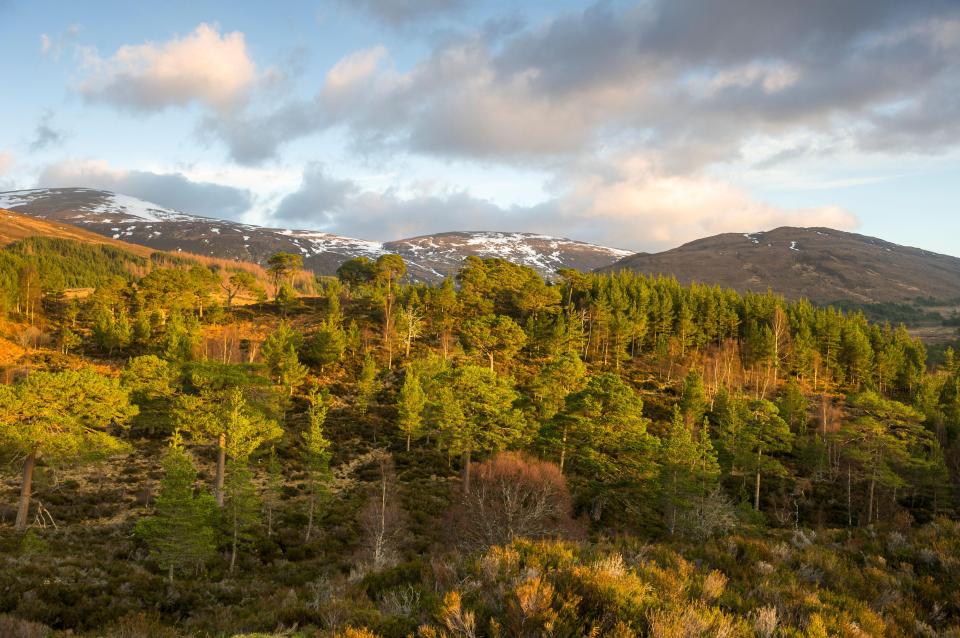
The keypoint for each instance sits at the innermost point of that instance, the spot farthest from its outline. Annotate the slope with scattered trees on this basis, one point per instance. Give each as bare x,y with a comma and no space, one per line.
606,455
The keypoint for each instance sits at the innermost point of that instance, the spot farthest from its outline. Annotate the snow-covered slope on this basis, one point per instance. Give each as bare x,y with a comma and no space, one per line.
429,258
443,253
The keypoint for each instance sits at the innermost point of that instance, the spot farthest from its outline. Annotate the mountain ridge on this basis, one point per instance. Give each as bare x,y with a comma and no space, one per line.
429,257
822,264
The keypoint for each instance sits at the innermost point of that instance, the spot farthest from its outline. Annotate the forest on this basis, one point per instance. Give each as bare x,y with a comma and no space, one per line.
194,448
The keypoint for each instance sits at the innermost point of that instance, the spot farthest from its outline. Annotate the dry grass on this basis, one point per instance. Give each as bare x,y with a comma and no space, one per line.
14,227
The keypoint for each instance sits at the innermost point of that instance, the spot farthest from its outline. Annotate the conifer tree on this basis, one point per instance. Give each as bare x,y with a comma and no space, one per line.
763,435
693,403
241,511
478,414
272,489
280,354
181,532
61,417
494,337
410,406
688,468
225,418
367,385
559,377
282,267
885,441
316,454
611,453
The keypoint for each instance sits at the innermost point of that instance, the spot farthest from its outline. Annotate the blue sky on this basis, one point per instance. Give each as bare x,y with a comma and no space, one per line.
638,125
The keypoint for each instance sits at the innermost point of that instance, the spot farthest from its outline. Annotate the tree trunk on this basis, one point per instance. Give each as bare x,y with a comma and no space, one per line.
408,441
233,548
563,448
26,486
756,494
849,498
466,471
873,485
170,573
313,501
490,355
221,468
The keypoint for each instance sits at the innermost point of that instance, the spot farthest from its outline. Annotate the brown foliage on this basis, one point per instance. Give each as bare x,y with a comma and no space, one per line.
512,496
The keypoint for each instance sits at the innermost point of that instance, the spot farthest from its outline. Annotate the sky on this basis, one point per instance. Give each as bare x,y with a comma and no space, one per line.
637,125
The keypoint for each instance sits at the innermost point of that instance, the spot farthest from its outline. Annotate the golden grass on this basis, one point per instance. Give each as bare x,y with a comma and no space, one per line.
14,227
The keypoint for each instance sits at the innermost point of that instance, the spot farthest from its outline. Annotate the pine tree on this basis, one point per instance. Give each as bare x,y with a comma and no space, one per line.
410,406
765,434
181,532
494,337
688,468
61,416
316,453
478,414
612,455
272,489
280,354
367,386
693,402
241,511
225,418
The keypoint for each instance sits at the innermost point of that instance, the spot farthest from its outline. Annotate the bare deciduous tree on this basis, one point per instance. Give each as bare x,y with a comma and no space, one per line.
382,519
515,496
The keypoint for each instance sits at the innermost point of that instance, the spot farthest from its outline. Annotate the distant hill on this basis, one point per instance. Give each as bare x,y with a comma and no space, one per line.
429,258
14,227
821,264
70,256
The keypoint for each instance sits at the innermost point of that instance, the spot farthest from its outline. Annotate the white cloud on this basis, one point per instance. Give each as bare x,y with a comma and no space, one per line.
639,208
203,66
624,203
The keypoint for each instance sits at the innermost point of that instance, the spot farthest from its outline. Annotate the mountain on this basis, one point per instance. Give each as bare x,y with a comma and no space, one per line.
429,258
14,227
821,264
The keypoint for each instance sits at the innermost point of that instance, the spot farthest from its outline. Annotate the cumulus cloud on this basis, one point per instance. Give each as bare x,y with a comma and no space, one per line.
687,82
173,190
203,66
627,204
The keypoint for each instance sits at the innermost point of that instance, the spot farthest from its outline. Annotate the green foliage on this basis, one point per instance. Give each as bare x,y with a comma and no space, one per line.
619,387
477,412
494,337
64,416
606,445
367,385
282,267
410,407
688,471
280,354
181,533
241,511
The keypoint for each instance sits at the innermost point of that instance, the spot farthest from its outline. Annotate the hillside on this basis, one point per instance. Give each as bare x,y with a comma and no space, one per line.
821,264
14,227
297,471
429,258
